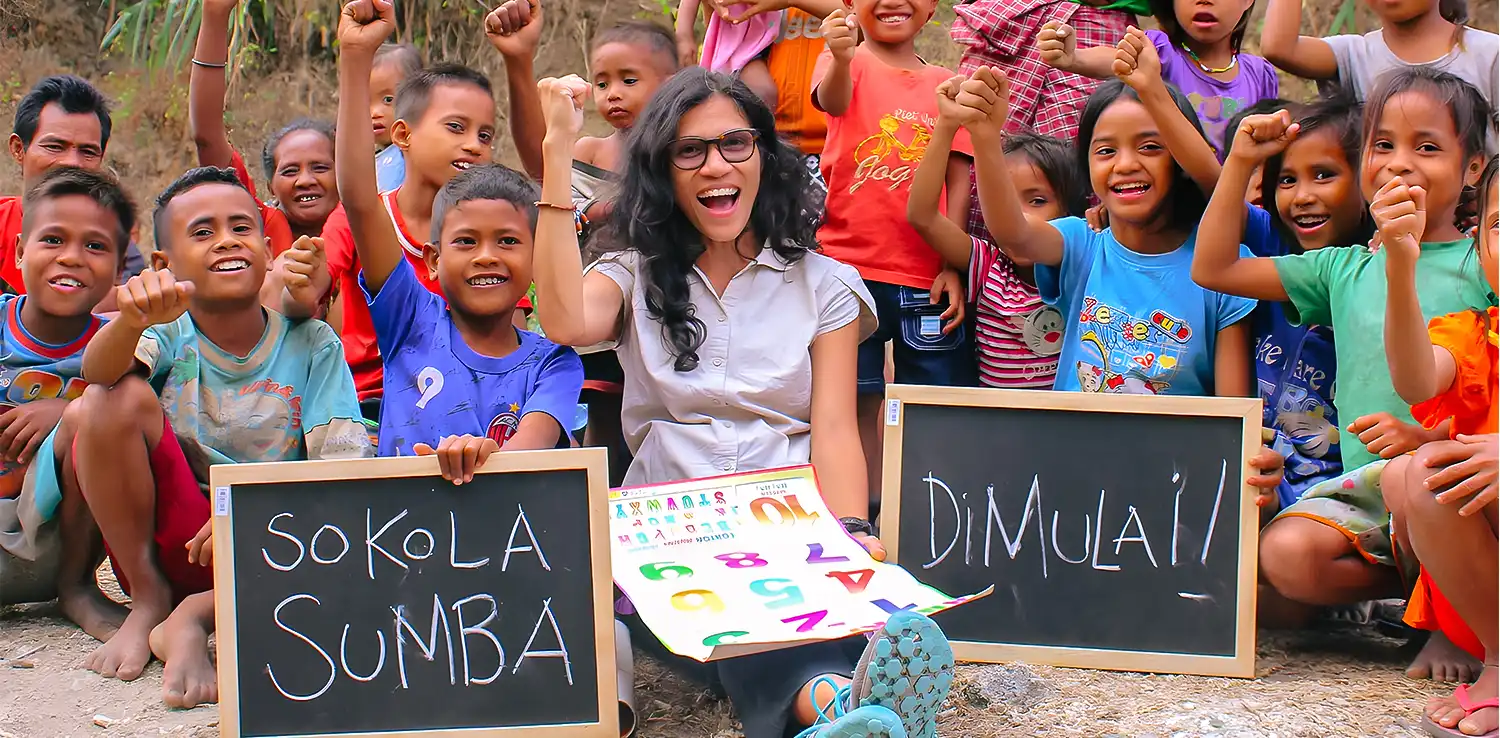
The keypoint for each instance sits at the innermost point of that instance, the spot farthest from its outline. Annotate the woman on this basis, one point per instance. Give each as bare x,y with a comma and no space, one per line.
736,337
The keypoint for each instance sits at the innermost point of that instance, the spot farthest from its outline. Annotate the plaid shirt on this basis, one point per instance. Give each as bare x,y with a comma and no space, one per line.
1002,33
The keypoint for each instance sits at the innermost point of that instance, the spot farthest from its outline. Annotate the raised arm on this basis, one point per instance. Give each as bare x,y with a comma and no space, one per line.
515,29
942,234
1137,64
684,29
835,91
575,309
1420,371
1217,263
363,26
1283,45
1058,46
1024,239
208,83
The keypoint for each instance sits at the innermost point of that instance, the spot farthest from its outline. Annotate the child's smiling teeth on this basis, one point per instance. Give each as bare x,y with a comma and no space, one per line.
67,282
463,165
1310,222
309,198
893,18
1133,188
230,265
487,280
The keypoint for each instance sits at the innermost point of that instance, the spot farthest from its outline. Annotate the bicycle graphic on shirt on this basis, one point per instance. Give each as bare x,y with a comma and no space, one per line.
873,155
1134,356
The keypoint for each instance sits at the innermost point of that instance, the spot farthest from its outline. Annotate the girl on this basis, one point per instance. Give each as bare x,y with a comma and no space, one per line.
713,232
1199,47
298,159
732,48
1018,335
1424,128
1141,325
1442,498
393,64
1414,32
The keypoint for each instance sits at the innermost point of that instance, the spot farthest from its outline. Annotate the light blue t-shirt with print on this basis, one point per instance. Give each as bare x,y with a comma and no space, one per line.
1133,323
390,168
291,398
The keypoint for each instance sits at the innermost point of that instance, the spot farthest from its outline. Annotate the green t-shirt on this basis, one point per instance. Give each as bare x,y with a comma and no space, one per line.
1134,7
1345,288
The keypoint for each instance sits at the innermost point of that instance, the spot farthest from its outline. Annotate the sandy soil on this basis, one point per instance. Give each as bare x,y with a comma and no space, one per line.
1344,682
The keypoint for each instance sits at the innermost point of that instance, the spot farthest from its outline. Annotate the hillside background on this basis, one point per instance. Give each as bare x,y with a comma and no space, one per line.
285,61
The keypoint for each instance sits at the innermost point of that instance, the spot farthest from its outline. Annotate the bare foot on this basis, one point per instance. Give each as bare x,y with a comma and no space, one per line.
128,651
1445,710
1441,661
97,615
188,677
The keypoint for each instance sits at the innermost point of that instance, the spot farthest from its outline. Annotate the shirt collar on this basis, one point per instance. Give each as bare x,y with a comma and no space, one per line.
768,257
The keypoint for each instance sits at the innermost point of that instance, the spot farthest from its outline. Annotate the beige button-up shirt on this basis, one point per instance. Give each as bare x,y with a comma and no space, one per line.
748,404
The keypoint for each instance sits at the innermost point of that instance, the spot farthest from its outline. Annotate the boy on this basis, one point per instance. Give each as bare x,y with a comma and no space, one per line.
76,228
462,377
62,122
881,112
243,383
394,63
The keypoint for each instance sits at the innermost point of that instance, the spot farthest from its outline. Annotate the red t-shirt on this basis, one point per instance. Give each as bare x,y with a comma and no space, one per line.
870,157
276,226
10,238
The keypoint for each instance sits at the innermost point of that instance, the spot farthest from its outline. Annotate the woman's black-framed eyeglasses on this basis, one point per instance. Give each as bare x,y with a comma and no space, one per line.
690,152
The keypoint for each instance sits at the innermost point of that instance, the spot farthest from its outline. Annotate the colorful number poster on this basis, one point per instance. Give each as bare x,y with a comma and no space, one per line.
739,564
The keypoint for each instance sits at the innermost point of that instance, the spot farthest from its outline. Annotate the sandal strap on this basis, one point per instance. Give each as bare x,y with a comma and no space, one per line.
1466,703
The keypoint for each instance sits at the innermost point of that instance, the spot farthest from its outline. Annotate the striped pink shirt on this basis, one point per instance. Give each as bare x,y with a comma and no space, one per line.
1019,336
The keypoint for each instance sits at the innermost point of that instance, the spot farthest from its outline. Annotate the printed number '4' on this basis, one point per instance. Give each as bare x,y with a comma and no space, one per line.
854,581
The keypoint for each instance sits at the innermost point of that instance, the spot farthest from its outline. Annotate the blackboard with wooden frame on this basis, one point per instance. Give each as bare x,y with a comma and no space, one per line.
555,505
1008,456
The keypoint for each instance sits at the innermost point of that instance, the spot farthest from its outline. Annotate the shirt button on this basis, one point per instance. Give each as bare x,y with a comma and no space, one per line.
718,362
722,319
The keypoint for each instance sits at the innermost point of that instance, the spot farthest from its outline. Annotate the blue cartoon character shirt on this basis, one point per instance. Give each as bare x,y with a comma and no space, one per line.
1133,323
290,399
436,386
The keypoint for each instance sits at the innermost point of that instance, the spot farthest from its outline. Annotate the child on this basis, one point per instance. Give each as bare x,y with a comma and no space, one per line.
244,383
393,64
1199,49
445,123
77,226
1442,498
298,159
495,385
1425,128
1421,32
877,94
1018,335
733,48
62,122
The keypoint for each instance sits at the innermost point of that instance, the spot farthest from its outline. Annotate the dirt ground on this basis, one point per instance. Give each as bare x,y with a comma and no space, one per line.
1345,681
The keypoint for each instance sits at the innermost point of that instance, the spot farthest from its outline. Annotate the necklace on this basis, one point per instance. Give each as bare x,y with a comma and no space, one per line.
1233,60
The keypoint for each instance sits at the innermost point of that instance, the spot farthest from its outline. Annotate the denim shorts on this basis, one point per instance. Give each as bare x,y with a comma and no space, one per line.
923,354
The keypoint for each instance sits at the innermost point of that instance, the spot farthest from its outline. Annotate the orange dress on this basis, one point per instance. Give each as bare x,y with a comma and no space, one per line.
1470,402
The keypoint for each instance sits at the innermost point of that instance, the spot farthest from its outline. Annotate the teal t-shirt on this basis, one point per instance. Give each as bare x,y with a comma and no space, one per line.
290,399
1345,288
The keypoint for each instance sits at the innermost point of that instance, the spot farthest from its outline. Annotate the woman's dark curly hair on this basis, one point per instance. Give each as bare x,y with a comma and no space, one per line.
646,217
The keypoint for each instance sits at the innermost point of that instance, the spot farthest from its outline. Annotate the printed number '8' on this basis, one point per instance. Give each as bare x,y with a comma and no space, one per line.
787,593
741,560
693,600
665,570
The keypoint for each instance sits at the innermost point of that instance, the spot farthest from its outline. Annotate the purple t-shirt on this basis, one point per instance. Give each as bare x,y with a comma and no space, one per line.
1215,101
436,386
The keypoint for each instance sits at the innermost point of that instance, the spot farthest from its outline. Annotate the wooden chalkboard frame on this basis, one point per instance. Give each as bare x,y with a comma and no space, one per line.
1241,665
592,461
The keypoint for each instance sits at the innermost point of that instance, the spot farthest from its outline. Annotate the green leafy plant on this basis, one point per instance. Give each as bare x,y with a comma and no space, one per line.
159,34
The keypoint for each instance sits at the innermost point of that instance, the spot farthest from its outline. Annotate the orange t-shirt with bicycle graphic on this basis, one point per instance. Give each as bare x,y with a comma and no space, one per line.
871,155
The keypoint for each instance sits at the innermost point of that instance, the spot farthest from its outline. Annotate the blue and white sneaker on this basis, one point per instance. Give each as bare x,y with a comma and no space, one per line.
907,668
866,722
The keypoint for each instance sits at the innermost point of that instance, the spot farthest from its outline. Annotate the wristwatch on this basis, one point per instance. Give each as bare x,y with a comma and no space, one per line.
858,525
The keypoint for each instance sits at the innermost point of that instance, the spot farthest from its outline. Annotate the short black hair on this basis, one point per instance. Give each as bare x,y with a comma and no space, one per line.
650,35
414,94
102,188
190,180
268,153
404,56
486,182
74,94
1165,12
1262,107
1054,158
